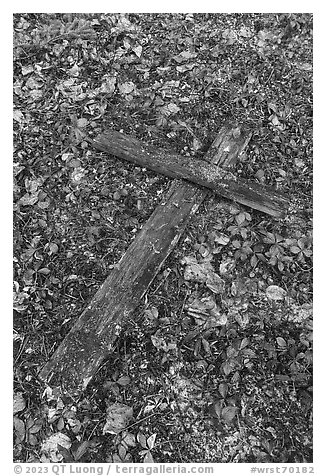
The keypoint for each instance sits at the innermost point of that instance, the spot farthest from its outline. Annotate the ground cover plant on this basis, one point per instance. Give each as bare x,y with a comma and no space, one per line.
216,364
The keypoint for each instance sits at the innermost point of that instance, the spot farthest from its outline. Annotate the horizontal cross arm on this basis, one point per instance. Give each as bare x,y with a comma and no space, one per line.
200,172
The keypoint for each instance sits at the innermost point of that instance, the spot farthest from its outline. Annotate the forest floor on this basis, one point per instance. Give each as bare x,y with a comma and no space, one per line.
199,375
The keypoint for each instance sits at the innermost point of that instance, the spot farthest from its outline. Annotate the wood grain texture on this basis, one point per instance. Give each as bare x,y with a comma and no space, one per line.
201,172
91,339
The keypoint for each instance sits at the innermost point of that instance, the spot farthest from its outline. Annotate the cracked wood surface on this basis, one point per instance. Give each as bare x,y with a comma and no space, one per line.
201,172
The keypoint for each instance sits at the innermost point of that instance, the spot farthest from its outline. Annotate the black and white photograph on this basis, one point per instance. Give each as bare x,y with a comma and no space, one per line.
162,241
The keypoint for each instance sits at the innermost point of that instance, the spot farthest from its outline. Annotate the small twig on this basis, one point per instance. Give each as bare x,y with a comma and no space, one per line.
142,419
184,302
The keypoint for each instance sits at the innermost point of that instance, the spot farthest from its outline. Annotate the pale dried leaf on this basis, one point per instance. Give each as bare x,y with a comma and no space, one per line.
19,403
275,293
50,446
118,417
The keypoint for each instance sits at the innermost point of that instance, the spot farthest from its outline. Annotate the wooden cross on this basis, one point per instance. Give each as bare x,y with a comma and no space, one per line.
91,339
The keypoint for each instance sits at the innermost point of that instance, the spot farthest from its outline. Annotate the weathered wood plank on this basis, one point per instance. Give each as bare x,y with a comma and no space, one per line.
92,337
201,172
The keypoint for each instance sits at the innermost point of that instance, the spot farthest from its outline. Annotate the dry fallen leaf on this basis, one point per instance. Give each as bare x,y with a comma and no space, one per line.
275,293
118,417
19,427
126,88
202,273
50,446
19,403
205,311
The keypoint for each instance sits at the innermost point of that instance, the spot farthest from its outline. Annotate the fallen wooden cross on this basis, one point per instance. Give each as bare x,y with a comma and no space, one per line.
92,337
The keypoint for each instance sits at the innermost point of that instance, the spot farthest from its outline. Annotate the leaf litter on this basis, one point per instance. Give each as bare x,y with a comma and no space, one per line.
237,313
